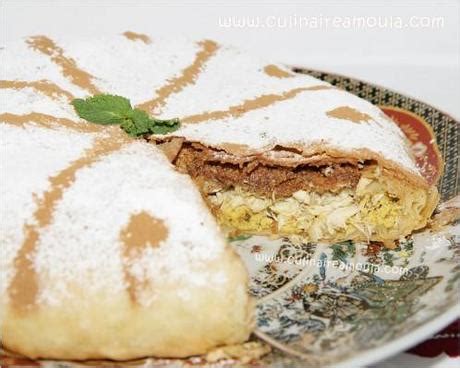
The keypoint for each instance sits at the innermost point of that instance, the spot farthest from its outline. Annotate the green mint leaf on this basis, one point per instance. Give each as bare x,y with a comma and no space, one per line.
110,109
103,109
164,126
138,123
142,121
171,122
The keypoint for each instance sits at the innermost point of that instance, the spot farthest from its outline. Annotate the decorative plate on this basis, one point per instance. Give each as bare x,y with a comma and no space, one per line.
350,304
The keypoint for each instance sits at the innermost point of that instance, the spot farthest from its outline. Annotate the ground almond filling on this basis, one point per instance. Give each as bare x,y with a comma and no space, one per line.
321,203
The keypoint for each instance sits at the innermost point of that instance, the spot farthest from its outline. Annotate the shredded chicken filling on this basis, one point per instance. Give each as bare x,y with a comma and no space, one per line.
336,202
369,212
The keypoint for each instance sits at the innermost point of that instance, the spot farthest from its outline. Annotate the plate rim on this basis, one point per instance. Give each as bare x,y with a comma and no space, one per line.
293,68
401,344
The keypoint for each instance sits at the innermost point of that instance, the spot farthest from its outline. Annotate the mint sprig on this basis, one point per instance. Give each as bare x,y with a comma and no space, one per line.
109,109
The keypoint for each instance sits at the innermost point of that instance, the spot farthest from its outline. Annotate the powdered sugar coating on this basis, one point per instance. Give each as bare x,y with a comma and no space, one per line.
27,158
88,220
229,78
29,100
131,69
22,63
82,244
303,121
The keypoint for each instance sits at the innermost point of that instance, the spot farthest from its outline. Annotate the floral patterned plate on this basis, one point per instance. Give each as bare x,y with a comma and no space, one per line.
349,304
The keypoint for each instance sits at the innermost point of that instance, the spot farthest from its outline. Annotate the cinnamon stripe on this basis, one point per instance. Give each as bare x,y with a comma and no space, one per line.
350,114
46,87
132,36
68,65
250,105
187,77
24,287
275,71
141,232
48,121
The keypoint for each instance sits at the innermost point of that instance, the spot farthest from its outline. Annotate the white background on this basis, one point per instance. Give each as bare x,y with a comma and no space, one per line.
421,62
